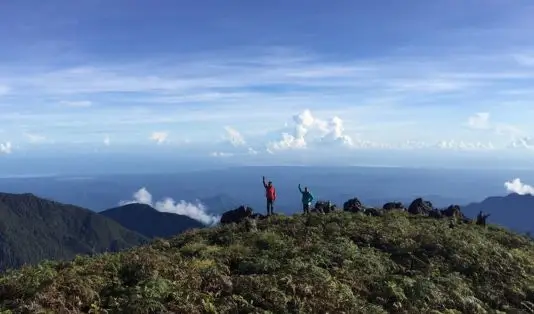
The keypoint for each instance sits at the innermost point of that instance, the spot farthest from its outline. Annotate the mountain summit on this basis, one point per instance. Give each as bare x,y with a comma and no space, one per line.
150,222
340,262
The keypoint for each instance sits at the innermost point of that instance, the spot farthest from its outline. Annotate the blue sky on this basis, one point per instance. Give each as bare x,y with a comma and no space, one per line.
237,79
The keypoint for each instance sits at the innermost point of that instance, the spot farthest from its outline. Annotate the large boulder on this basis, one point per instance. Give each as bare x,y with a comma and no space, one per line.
393,206
452,211
354,206
373,212
435,213
324,207
237,215
420,207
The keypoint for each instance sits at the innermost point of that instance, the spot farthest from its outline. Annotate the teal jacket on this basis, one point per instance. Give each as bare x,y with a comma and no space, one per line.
307,197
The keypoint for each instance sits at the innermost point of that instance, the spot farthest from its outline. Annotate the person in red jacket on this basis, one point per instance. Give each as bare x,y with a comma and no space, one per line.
270,194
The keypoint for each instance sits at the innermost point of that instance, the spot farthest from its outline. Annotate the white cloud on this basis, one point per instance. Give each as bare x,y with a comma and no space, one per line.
234,137
107,140
252,151
159,137
516,186
311,130
76,104
479,121
221,154
5,148
522,143
195,211
517,137
335,132
462,145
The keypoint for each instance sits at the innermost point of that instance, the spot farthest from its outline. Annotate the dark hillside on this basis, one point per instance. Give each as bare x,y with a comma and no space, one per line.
335,263
149,222
33,229
513,211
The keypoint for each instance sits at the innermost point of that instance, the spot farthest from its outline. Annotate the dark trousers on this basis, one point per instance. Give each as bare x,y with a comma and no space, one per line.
306,208
270,207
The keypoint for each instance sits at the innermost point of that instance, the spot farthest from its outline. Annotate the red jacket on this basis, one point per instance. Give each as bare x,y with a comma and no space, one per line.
270,192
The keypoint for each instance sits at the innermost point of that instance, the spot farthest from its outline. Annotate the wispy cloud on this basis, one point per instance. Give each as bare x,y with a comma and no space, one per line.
35,138
234,137
396,97
479,121
77,104
195,211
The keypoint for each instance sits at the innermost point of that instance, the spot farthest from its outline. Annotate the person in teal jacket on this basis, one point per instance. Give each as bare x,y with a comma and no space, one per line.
307,199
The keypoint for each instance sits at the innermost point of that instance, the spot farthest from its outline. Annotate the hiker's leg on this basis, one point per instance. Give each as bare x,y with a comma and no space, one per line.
272,207
268,208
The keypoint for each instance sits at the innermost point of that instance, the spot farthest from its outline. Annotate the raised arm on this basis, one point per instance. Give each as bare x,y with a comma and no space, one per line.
300,188
264,184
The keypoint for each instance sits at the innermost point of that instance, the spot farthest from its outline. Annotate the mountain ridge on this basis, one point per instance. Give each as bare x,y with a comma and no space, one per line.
33,229
513,210
337,262
150,222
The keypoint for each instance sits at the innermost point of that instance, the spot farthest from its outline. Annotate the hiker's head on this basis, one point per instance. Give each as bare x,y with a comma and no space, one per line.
305,189
270,183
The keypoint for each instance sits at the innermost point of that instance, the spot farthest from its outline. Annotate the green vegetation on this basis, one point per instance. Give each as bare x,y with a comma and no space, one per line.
334,263
33,229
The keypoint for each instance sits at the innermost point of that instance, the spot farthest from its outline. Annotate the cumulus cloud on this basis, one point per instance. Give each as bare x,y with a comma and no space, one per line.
5,148
516,186
312,130
76,104
479,121
195,211
159,137
234,137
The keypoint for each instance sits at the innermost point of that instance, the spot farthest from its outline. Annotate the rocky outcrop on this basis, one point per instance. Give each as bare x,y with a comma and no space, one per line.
417,207
237,215
353,205
393,206
324,207
452,211
373,212
420,207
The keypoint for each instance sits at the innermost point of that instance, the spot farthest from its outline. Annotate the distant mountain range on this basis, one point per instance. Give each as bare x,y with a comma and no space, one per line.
33,229
513,211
